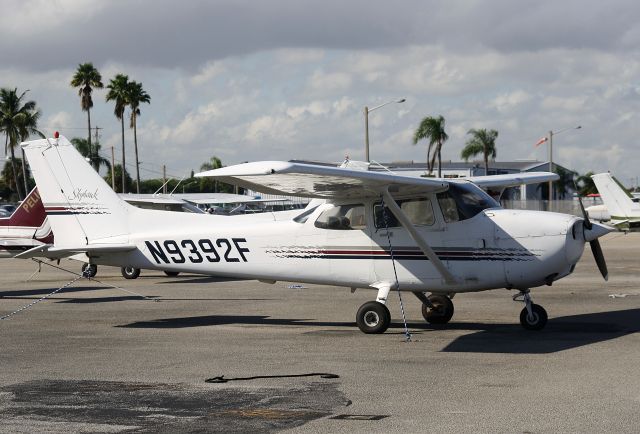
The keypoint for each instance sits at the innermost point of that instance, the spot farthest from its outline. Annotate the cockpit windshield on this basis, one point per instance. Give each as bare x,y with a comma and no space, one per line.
464,200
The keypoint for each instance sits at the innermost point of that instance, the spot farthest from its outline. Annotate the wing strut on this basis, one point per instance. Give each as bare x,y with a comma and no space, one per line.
422,243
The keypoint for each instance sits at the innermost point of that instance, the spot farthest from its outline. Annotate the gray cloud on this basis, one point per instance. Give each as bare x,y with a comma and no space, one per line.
172,34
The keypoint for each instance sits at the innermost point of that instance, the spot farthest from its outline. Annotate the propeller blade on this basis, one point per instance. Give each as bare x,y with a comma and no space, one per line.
599,257
585,216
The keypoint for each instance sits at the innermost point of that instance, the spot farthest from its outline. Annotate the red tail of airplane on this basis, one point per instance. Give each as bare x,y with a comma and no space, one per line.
26,227
30,213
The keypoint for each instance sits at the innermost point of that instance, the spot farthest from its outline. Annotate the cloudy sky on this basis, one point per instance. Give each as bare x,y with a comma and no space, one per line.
282,79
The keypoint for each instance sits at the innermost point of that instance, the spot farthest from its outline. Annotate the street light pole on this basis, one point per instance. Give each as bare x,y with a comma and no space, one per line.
551,134
366,134
367,110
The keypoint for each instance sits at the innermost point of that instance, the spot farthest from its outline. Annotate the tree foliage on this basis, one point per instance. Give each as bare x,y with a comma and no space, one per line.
18,121
482,142
96,160
136,95
432,129
118,88
87,78
119,176
586,185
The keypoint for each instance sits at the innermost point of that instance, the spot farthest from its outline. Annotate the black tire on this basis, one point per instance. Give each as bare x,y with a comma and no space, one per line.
373,318
443,311
538,321
89,270
171,273
130,272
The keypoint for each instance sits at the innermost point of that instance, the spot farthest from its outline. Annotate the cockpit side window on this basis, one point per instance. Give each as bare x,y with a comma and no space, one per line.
342,217
419,211
463,201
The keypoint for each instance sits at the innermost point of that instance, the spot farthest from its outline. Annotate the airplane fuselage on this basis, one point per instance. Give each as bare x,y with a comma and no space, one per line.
497,248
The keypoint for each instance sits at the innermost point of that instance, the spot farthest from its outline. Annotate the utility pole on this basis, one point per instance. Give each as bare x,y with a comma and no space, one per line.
164,179
113,170
366,134
93,151
550,170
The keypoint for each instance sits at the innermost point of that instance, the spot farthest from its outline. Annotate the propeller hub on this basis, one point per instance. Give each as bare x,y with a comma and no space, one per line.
596,231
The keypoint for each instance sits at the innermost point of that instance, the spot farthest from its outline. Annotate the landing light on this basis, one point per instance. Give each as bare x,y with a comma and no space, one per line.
56,135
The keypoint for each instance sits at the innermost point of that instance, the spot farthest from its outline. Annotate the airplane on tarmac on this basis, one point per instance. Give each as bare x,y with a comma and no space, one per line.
365,230
619,208
25,228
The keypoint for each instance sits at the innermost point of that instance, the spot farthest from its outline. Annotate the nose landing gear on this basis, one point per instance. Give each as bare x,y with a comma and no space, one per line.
533,316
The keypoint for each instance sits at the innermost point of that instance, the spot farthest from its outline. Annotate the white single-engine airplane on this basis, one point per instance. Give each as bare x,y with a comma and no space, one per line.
372,230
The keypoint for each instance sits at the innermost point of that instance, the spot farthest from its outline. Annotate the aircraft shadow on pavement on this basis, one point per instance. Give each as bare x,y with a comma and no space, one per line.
196,279
26,293
215,320
560,334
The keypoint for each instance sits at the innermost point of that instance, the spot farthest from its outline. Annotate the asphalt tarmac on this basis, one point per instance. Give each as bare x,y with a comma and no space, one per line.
93,358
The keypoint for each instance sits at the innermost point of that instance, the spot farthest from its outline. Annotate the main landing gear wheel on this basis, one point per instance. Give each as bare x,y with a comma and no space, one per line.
89,270
130,272
171,273
440,311
373,317
537,320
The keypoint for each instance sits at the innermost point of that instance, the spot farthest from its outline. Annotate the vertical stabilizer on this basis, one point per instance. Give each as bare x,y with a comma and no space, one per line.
616,199
81,207
30,212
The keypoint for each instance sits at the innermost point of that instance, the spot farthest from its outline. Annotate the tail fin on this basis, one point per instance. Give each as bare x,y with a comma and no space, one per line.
30,213
617,200
80,205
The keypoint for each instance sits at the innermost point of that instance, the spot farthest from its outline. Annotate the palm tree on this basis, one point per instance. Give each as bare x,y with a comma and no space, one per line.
481,142
86,79
118,93
117,172
432,128
213,163
585,184
565,183
97,160
28,125
18,120
136,95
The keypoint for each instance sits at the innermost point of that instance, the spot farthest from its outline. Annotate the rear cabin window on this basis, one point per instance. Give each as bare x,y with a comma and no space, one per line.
419,211
463,201
342,217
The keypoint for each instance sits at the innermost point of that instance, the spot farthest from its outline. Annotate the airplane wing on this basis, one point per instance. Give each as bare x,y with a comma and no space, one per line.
512,179
309,180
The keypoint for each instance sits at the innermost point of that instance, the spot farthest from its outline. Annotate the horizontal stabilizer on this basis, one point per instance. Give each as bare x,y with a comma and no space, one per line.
51,252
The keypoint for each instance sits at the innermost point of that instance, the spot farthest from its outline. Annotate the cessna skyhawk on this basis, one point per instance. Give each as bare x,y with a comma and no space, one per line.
365,230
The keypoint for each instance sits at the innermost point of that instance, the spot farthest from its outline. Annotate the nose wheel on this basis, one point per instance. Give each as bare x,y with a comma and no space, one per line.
533,316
